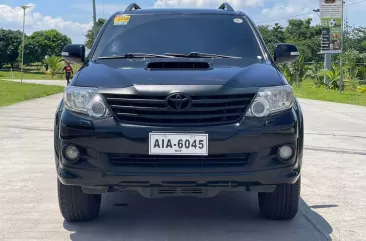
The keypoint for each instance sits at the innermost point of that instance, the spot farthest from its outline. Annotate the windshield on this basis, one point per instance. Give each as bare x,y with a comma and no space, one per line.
159,34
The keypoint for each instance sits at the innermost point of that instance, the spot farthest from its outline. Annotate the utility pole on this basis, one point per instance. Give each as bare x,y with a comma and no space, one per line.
340,59
95,21
24,8
317,11
327,65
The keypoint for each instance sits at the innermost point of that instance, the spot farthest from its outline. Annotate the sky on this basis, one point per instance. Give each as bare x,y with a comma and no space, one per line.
74,17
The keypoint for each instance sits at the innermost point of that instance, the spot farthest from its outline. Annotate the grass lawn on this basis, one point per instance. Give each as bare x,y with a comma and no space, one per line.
306,90
34,71
6,74
13,92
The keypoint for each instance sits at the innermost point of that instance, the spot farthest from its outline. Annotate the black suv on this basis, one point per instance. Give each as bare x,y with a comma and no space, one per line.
178,102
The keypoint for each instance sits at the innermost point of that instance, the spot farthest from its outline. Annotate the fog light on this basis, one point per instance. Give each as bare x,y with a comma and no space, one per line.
72,153
285,152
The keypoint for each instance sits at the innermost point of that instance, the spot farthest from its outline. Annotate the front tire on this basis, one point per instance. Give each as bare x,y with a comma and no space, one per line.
75,205
282,204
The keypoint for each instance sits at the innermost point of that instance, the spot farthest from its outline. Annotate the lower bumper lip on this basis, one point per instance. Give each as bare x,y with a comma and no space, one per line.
255,178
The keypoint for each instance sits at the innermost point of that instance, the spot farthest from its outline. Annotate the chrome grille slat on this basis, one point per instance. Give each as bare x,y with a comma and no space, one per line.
136,100
203,101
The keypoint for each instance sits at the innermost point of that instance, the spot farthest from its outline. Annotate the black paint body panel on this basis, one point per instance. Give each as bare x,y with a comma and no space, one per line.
255,140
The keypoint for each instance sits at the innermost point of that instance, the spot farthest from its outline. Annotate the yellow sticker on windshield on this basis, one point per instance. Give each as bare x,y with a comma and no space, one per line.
121,19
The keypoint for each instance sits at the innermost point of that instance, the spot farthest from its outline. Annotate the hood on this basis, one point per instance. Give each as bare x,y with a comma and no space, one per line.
118,74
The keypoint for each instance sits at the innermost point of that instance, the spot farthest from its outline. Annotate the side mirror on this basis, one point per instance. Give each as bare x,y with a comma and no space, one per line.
285,53
74,53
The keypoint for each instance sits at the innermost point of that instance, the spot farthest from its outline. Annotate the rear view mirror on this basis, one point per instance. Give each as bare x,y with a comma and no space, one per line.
285,53
74,53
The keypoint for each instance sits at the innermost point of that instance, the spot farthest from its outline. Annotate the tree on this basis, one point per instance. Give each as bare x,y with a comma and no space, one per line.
305,37
90,34
355,38
363,44
299,32
44,43
10,41
272,35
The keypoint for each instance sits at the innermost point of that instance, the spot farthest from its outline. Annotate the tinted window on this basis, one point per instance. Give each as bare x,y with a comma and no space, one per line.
162,33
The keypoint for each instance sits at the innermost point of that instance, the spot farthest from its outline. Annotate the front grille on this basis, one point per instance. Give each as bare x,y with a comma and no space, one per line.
155,161
205,110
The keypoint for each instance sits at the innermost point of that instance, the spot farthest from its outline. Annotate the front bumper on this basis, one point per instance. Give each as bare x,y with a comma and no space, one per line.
256,139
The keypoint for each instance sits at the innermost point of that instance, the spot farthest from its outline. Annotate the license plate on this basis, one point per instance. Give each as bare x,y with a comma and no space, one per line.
178,144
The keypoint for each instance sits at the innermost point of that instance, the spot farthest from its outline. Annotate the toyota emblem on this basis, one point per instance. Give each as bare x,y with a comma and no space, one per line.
178,101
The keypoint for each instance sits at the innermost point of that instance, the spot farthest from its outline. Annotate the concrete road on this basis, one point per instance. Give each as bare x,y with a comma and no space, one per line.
332,205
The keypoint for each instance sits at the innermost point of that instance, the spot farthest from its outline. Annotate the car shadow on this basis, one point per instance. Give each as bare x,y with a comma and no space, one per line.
229,216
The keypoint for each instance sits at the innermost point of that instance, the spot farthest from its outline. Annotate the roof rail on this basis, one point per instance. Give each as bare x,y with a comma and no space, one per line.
227,7
132,7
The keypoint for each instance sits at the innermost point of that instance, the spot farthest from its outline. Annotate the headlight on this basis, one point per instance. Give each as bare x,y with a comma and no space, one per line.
270,100
86,101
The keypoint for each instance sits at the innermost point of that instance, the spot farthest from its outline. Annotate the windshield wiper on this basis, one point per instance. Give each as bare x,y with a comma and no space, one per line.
202,55
136,55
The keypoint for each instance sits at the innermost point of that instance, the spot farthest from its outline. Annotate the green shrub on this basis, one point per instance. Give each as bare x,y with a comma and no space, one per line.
288,73
333,77
351,84
362,72
54,64
313,74
294,70
361,90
